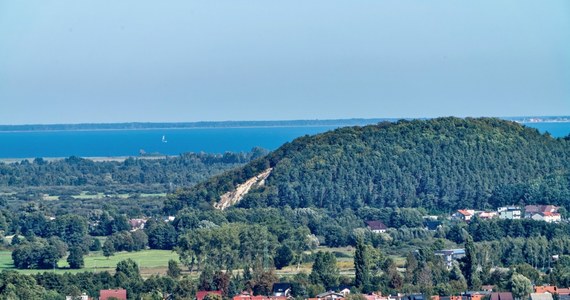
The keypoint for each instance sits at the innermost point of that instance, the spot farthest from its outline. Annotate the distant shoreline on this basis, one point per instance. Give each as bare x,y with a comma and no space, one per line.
239,124
93,158
177,128
189,125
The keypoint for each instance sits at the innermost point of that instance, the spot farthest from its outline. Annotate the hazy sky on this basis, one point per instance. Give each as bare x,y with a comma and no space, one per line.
69,61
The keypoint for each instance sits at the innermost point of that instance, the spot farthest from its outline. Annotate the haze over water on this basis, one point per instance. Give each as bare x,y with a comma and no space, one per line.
101,143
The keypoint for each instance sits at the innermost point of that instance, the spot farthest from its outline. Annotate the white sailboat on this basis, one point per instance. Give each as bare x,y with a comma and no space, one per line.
164,139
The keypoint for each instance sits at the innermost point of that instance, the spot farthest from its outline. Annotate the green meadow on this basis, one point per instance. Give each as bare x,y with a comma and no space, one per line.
150,262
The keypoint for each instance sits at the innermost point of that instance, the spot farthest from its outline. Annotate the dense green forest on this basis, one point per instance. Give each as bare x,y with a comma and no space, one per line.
185,169
438,164
321,191
137,185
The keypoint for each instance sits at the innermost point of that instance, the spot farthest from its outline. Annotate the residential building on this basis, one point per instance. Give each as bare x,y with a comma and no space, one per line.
414,297
247,296
529,210
548,217
488,215
502,296
82,297
509,212
137,224
119,294
450,255
464,214
281,290
377,226
545,289
487,288
541,296
343,289
330,296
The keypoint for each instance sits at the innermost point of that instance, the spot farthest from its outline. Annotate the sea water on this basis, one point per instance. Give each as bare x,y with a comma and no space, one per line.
108,143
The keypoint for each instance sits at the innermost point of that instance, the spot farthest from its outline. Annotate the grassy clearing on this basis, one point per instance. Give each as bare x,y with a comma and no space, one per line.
150,262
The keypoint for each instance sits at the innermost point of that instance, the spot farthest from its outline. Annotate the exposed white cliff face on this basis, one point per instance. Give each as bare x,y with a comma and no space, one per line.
231,198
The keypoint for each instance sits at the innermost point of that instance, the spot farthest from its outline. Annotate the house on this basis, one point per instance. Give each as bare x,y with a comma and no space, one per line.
563,292
378,296
476,295
509,212
377,226
201,294
449,298
471,295
330,296
487,288
137,224
464,214
488,215
540,289
529,210
413,297
541,296
281,290
343,289
501,296
548,217
119,294
248,296
82,297
450,255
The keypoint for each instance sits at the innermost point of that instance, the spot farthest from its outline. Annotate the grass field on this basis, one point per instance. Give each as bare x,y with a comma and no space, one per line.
150,262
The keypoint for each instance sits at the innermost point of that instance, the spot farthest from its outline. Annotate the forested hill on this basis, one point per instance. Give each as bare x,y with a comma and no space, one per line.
440,164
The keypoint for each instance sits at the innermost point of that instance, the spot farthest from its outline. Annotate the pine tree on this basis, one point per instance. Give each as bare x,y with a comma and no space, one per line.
470,265
361,266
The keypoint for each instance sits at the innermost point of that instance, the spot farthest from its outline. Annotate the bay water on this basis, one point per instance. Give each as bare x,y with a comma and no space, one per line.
111,143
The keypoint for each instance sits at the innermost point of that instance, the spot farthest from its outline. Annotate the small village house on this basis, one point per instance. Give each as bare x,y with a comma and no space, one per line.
119,294
376,226
509,212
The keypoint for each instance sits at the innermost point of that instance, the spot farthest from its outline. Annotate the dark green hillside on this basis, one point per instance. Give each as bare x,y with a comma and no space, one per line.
440,164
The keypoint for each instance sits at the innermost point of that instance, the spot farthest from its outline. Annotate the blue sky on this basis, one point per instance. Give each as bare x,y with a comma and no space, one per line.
65,61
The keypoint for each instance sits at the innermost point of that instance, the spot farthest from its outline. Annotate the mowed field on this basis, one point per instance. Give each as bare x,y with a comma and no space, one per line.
150,262
153,262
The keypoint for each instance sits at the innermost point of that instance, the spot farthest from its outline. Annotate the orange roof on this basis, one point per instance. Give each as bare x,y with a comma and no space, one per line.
550,214
464,212
545,288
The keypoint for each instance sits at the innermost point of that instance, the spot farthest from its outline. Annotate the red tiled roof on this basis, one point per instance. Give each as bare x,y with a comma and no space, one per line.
464,212
540,208
119,294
